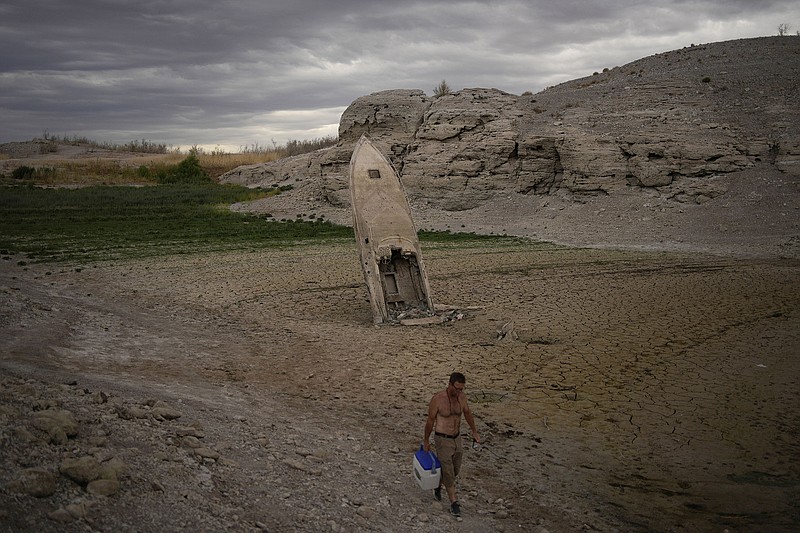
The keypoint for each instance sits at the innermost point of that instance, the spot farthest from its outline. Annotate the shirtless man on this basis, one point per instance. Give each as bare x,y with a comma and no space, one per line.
444,413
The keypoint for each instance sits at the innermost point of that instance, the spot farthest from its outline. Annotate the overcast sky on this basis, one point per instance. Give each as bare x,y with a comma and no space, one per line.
238,73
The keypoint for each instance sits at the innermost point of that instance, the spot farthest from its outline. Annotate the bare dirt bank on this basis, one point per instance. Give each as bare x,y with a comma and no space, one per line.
757,217
630,391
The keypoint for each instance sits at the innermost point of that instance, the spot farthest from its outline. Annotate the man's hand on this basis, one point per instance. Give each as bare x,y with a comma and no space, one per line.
426,446
475,436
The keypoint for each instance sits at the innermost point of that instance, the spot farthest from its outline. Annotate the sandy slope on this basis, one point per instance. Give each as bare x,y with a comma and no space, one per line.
759,216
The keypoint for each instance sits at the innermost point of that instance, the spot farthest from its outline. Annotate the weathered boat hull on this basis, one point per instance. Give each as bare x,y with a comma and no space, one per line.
391,258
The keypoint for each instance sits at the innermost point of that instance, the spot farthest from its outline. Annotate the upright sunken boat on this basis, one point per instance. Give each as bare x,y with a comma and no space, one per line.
389,250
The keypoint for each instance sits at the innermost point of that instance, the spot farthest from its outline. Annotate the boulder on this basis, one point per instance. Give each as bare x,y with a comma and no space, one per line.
114,468
59,424
81,470
103,487
35,482
165,411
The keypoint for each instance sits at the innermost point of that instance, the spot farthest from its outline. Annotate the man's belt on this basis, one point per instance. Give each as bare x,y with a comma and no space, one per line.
446,436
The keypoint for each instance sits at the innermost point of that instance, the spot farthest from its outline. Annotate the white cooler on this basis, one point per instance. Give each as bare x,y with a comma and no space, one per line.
427,469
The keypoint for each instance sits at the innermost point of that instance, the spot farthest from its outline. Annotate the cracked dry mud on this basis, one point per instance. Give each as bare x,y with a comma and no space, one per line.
628,391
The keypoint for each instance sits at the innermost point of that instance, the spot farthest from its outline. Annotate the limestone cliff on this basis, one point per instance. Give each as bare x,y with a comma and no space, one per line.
673,124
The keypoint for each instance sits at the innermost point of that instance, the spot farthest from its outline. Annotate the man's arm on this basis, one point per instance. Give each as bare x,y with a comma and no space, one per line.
433,409
471,421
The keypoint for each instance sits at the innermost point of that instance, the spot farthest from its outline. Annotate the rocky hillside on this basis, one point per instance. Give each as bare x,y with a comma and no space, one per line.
675,124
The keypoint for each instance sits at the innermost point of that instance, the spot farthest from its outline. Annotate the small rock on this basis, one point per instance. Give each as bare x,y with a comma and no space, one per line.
103,487
187,431
138,412
81,470
160,409
114,468
102,455
162,456
59,424
166,413
206,453
35,482
190,441
98,441
156,486
366,512
45,404
61,515
78,510
99,397
123,412
300,466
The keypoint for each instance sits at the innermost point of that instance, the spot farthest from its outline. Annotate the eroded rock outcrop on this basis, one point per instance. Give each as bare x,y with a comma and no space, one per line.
673,124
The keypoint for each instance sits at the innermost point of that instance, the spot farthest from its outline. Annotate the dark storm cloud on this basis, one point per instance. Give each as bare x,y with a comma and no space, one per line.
238,72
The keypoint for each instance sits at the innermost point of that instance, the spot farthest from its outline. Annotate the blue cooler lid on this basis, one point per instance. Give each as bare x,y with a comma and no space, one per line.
427,460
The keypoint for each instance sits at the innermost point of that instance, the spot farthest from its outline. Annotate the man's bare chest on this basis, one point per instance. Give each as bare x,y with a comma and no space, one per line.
449,407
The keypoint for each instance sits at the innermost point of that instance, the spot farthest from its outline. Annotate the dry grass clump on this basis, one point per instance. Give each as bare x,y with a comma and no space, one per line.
218,163
96,171
142,147
140,162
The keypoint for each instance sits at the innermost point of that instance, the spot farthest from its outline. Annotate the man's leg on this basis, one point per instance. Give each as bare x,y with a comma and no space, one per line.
445,450
456,459
451,492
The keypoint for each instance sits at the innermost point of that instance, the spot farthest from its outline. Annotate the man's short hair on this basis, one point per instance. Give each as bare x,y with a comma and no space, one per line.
457,377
